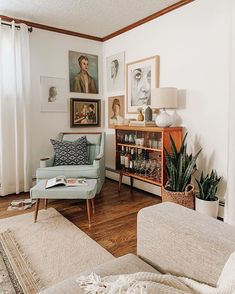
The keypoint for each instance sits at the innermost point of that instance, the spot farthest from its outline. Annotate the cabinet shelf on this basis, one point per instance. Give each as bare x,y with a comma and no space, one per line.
140,177
139,147
153,154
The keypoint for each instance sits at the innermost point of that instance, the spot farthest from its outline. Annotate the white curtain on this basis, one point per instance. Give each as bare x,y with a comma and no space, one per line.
14,110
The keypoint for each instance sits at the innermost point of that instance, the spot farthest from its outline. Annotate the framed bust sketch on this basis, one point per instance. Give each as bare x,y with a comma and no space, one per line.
53,94
141,76
84,112
115,66
83,73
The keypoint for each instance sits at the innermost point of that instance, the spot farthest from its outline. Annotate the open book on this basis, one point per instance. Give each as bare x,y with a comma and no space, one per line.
62,181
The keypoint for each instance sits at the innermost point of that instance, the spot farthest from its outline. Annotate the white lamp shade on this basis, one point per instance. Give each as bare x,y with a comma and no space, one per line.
164,97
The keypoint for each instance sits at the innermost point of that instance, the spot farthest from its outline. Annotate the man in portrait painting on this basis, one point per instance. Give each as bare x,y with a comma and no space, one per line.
116,118
83,82
141,86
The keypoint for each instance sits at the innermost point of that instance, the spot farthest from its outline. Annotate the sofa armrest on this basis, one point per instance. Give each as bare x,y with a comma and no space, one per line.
47,161
183,242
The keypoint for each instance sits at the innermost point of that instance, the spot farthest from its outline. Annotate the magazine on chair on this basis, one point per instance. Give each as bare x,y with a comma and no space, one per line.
62,181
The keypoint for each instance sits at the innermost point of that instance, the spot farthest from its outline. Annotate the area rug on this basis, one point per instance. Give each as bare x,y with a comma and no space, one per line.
55,248
16,273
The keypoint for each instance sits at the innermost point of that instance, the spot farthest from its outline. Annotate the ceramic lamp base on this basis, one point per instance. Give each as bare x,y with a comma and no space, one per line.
164,120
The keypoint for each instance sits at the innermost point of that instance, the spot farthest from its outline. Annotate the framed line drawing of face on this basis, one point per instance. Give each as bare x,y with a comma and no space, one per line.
116,111
84,112
141,76
115,67
83,73
53,94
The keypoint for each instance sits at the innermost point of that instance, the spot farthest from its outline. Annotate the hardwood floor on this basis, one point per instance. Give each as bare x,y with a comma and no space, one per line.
114,222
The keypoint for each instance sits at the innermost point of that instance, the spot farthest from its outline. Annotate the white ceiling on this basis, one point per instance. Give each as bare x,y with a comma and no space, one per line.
93,17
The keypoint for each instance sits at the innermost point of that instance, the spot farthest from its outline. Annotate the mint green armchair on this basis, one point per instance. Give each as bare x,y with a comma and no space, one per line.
95,170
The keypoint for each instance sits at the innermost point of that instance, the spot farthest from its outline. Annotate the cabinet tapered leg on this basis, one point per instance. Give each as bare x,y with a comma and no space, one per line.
45,203
120,181
93,205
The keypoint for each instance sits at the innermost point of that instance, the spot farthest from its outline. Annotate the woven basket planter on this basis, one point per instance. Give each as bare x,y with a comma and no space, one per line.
185,198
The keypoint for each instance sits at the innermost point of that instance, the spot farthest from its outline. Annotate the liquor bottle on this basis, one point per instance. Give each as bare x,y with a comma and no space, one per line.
122,158
127,159
131,158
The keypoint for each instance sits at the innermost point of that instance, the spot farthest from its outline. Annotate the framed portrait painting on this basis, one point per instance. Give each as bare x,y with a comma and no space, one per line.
53,94
115,67
84,112
141,77
83,73
116,111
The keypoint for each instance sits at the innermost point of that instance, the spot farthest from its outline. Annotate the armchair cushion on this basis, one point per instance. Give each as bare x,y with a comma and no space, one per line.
70,153
69,171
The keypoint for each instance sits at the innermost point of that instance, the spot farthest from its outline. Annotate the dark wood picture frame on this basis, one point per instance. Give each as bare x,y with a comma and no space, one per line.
82,114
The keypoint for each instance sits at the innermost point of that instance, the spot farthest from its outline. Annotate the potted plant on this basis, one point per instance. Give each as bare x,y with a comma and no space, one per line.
206,200
179,168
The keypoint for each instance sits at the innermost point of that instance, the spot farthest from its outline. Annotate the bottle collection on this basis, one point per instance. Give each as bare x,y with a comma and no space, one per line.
140,162
140,140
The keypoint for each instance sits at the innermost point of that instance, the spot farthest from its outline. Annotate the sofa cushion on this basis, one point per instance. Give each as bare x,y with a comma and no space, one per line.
70,153
69,171
127,264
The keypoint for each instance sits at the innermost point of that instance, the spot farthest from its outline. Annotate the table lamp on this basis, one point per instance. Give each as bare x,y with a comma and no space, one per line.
164,98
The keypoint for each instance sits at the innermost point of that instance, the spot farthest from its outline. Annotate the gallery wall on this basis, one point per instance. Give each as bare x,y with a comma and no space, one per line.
49,57
193,43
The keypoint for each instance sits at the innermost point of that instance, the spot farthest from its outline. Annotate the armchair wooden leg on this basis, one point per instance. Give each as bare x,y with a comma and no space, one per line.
88,205
36,210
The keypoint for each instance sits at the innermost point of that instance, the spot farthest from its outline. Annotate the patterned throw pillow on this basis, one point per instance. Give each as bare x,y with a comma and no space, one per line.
70,153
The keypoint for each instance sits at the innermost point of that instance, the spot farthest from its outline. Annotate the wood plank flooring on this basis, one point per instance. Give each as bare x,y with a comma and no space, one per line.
114,222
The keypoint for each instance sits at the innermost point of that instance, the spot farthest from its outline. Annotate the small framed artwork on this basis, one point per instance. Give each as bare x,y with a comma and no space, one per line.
84,112
116,111
115,66
141,76
83,73
53,94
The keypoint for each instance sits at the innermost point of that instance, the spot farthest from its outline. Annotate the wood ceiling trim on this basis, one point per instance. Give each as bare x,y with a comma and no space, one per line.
94,38
147,19
49,28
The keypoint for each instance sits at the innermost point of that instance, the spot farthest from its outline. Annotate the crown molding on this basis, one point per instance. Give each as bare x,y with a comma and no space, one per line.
94,38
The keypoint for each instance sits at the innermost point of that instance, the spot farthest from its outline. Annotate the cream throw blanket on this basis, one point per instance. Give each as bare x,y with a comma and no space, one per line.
151,283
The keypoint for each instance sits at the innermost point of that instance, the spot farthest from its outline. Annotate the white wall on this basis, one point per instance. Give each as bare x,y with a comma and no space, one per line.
49,57
193,43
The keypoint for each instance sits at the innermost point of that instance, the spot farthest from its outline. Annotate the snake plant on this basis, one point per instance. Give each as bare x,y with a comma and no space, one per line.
208,185
179,166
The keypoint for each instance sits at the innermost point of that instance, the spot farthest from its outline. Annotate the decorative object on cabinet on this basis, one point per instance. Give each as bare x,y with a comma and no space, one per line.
141,76
116,111
180,166
84,112
115,67
148,114
53,94
140,116
140,152
206,200
164,98
83,72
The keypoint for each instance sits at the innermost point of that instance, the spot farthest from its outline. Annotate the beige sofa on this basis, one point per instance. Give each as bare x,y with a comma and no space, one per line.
170,239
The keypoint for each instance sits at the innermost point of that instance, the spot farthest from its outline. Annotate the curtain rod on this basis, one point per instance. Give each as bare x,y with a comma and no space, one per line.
30,29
